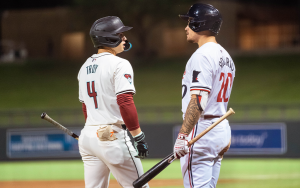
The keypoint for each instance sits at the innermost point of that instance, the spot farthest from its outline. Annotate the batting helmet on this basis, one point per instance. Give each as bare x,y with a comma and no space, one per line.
203,17
104,31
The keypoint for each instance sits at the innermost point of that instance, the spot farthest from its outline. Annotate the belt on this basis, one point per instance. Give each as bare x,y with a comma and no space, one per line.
210,117
122,125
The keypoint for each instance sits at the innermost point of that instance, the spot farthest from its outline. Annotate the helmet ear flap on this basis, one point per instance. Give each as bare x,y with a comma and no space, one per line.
105,41
216,27
196,26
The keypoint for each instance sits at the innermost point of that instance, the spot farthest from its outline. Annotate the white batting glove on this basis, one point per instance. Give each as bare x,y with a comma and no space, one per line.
181,147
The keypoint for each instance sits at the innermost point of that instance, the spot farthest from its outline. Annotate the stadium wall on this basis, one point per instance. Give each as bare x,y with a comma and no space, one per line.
249,140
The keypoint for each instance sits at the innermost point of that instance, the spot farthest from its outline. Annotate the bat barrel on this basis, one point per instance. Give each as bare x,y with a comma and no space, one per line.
147,176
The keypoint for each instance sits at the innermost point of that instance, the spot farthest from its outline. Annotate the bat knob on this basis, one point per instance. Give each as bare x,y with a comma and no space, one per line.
43,115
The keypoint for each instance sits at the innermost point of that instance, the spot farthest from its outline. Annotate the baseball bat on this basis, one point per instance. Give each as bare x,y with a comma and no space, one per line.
147,176
58,125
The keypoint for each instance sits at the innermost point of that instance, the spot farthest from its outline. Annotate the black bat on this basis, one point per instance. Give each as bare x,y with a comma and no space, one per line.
147,176
58,125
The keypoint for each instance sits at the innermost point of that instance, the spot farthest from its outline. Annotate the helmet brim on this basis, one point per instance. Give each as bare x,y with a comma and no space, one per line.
121,29
184,17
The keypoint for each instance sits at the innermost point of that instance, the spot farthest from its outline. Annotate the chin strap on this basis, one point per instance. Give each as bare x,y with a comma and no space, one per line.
128,46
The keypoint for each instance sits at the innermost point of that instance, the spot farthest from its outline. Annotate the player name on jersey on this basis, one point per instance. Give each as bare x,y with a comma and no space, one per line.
91,68
228,63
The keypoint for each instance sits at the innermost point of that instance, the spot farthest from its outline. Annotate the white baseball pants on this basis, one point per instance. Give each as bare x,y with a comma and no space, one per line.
102,157
201,167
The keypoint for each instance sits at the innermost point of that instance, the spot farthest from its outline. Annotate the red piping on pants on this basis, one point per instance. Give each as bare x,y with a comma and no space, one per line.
189,162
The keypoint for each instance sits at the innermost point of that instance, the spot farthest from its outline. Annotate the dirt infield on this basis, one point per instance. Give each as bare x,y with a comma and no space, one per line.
80,183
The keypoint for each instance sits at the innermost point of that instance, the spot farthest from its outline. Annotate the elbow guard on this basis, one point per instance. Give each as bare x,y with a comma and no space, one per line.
202,98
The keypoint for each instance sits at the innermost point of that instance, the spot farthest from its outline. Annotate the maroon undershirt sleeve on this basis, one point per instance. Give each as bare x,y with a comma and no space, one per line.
84,111
128,111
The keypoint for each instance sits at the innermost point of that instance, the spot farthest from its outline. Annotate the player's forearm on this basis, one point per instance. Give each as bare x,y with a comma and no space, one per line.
84,110
192,116
128,112
135,132
130,117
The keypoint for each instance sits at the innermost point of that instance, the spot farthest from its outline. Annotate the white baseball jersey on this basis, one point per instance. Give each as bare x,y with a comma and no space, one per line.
101,78
210,69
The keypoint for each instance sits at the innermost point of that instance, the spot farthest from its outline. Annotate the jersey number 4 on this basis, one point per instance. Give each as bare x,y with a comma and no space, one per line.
224,87
93,93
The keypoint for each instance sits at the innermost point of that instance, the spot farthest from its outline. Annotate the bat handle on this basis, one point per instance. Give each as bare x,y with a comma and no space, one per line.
171,159
46,117
227,114
43,115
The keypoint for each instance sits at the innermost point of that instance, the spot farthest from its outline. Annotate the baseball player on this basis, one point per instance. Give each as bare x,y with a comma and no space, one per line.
106,90
206,87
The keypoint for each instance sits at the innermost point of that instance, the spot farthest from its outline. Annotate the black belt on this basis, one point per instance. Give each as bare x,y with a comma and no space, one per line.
124,126
210,117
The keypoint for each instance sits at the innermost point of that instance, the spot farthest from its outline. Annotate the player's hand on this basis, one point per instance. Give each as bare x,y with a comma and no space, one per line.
181,147
141,146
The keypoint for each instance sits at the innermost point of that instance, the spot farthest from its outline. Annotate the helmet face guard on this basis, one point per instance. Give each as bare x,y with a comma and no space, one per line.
202,17
104,31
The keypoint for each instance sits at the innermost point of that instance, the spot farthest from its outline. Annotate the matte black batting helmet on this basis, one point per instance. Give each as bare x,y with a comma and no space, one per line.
203,17
104,31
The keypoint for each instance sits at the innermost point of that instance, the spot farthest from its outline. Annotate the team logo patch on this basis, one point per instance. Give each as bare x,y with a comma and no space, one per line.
128,77
195,76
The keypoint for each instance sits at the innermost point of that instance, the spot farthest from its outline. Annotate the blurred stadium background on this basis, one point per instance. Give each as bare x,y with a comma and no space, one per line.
43,45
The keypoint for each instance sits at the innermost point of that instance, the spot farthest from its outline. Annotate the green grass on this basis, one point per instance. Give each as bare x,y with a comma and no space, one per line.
40,84
266,80
235,173
259,173
41,170
66,170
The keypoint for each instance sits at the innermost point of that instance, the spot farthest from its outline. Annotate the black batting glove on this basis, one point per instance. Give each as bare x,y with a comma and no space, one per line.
141,146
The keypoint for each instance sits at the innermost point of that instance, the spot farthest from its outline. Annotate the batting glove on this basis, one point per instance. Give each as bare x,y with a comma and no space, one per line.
141,146
181,147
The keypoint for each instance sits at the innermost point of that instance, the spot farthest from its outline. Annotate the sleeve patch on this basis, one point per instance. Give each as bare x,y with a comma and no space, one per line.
128,77
195,76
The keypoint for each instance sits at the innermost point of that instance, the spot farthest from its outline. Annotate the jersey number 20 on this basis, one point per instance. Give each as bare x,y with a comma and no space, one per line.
224,87
93,93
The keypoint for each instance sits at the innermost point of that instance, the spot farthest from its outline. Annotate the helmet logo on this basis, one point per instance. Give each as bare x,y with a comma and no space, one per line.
211,13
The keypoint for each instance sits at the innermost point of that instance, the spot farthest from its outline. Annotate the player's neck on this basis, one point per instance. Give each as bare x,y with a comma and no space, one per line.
205,39
109,50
